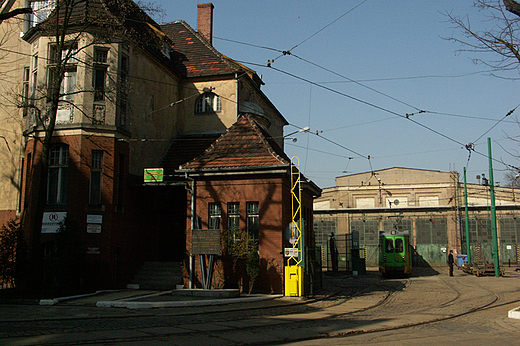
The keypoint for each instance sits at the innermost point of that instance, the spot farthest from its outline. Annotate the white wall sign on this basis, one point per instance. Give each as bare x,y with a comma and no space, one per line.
93,250
94,218
291,252
52,220
93,228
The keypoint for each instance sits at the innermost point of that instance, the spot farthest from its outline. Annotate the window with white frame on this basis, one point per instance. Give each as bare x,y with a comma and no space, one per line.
34,76
96,173
58,174
208,103
40,11
25,89
233,216
123,100
68,58
215,212
253,220
100,73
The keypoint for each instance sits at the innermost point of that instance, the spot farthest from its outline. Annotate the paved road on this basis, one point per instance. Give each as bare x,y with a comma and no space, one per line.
362,310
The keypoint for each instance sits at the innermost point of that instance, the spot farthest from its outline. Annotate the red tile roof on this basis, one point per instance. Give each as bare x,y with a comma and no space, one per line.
243,145
194,56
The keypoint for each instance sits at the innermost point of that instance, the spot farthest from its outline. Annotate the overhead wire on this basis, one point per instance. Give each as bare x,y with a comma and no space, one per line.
470,147
498,122
357,82
354,81
288,52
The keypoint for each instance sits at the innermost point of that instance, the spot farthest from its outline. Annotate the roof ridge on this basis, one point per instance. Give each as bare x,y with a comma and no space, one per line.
221,56
218,153
263,137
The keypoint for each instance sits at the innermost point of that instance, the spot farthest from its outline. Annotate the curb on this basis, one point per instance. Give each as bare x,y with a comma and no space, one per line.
151,305
55,301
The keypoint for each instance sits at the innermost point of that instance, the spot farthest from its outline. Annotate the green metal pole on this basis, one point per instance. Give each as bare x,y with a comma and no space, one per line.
493,213
468,244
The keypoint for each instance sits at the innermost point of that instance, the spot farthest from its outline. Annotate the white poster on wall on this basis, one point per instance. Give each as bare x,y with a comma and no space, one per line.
52,220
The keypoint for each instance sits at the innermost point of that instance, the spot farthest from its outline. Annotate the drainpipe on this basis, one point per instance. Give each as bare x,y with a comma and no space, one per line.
236,95
192,191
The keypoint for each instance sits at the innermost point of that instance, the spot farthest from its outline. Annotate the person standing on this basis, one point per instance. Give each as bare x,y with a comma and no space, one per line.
333,252
451,262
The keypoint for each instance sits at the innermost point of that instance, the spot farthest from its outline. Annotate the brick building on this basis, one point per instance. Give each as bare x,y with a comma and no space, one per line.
135,95
243,181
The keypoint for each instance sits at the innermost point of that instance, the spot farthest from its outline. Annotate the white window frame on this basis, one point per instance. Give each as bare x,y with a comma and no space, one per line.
208,103
58,174
96,177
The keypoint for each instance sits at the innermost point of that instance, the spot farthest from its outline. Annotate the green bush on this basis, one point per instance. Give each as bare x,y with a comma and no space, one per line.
9,237
253,268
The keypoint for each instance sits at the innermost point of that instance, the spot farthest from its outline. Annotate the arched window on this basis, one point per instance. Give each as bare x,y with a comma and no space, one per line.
208,103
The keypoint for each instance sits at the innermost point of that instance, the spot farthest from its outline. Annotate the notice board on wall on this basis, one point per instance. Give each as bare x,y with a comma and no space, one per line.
205,242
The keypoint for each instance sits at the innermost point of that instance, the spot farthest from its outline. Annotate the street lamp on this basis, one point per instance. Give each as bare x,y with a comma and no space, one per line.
305,129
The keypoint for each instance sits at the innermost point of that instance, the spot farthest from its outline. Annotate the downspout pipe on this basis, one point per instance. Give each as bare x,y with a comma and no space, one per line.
193,218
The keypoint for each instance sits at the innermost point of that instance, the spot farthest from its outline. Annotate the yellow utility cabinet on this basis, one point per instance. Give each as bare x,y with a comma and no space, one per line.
293,281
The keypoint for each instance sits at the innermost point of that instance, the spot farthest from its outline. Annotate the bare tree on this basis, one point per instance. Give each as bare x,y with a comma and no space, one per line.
69,34
502,39
15,12
71,29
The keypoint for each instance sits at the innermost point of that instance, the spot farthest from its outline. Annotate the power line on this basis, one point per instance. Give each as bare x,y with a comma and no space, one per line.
368,104
498,122
288,52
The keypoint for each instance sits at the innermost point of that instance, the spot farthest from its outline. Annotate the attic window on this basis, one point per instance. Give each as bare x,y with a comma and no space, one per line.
208,103
41,10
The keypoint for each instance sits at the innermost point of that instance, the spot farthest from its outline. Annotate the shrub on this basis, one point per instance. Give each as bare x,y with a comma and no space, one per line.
253,268
9,239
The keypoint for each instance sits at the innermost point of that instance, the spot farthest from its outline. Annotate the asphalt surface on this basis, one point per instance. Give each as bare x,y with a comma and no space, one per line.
429,294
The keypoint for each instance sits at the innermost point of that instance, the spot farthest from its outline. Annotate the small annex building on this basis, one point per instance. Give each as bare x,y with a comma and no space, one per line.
243,182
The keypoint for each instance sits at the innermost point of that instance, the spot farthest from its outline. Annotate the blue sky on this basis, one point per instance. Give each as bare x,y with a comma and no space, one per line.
356,69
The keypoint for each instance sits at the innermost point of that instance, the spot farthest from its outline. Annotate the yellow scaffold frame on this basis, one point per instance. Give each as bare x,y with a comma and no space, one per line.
294,268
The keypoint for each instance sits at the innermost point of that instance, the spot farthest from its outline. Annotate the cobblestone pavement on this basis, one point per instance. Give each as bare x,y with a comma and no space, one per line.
350,310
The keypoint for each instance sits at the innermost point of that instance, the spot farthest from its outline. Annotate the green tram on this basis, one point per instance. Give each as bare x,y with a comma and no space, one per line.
395,253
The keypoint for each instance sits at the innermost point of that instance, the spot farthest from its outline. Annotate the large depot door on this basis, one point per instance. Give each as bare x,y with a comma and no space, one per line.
368,231
432,241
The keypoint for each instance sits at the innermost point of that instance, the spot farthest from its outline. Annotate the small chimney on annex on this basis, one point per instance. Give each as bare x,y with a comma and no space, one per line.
205,21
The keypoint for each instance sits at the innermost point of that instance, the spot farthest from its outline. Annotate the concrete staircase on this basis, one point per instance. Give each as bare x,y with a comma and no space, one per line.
161,276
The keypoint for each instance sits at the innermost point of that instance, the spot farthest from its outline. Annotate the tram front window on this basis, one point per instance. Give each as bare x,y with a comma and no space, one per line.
389,245
399,247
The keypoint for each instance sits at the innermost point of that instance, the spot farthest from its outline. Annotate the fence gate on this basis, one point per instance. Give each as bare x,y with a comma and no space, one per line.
432,241
368,231
509,229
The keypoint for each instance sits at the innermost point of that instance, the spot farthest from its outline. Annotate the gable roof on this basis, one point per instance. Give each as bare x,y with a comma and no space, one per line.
193,55
109,18
244,146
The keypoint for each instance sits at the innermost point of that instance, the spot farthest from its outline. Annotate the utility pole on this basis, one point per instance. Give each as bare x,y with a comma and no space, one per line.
468,245
493,213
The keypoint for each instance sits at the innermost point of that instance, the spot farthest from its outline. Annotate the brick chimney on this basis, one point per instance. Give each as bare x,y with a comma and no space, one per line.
205,21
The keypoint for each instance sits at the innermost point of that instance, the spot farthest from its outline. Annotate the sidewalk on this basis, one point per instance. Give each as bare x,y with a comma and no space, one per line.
147,299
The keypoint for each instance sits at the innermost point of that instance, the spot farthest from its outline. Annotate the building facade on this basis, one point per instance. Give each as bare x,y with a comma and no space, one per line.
429,204
134,95
243,182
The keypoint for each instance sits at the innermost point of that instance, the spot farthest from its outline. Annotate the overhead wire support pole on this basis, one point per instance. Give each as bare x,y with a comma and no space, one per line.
294,270
296,208
493,213
468,243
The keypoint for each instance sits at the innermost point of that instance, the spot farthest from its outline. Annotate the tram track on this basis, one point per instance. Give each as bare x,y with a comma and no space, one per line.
485,306
286,316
